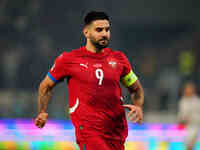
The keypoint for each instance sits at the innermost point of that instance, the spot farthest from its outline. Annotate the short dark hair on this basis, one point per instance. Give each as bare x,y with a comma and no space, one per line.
95,15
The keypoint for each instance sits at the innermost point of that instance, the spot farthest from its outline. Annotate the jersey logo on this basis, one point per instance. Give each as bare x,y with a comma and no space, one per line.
97,65
84,65
112,63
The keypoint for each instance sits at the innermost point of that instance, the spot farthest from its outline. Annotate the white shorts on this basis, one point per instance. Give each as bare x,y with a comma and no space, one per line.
191,135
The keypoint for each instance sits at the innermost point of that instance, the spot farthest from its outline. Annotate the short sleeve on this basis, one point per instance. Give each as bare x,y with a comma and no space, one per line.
59,70
128,77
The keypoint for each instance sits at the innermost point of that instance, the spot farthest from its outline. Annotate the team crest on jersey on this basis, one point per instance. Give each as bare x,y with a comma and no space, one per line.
112,63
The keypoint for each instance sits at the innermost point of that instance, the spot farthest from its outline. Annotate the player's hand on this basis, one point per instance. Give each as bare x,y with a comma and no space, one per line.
135,114
41,119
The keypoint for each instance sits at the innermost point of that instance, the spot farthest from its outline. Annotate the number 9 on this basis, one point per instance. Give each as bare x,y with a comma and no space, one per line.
99,75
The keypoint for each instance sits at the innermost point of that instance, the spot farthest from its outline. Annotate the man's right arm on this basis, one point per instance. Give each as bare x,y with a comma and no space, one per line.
56,74
44,95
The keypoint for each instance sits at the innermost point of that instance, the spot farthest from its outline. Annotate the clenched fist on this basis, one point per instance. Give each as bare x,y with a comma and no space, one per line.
41,119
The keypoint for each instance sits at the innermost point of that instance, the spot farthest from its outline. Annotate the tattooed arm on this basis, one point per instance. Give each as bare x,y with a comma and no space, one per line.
44,95
137,97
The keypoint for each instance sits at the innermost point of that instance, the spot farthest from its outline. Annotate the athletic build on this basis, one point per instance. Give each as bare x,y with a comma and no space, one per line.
94,73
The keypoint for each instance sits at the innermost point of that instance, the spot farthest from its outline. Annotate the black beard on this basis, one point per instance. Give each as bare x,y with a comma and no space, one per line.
99,46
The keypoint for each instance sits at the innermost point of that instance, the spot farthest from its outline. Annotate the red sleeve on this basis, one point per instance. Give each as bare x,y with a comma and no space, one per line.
60,69
126,65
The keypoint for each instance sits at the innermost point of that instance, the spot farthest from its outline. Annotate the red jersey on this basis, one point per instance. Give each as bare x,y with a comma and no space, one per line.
94,91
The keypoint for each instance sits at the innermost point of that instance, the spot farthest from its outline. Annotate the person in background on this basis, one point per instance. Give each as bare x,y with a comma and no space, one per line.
188,113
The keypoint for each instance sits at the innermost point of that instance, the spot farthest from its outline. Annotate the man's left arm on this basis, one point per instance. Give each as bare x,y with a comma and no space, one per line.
130,80
137,96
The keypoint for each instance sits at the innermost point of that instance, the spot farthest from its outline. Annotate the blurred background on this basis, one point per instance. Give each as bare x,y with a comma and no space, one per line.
160,38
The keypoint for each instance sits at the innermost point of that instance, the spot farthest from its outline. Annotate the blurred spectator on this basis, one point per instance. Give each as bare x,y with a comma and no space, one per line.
187,61
188,114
